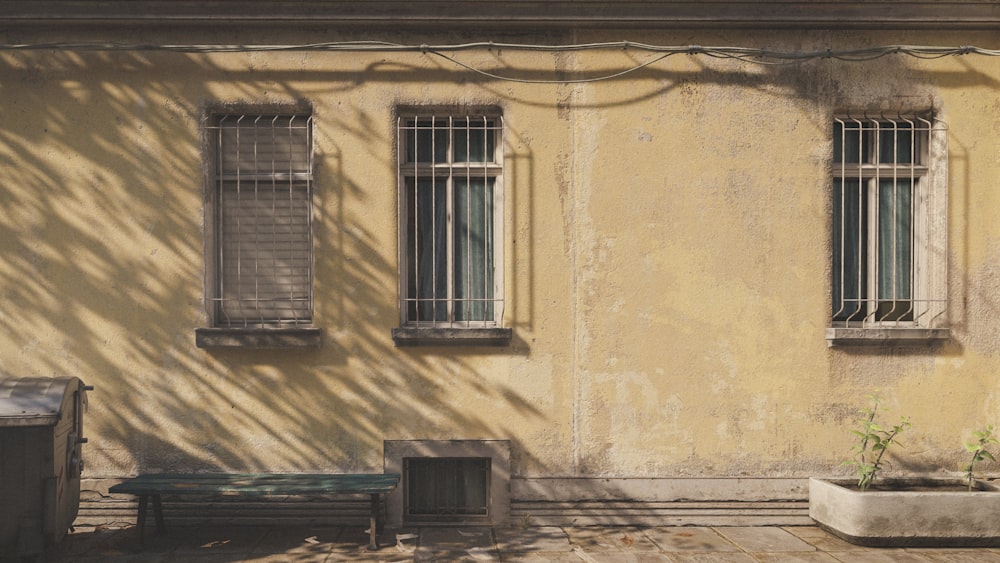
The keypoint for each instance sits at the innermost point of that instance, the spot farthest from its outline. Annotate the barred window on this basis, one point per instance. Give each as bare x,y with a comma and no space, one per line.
446,489
263,220
889,235
450,170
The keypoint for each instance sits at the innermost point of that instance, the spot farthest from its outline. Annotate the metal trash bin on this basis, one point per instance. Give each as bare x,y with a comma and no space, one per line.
41,434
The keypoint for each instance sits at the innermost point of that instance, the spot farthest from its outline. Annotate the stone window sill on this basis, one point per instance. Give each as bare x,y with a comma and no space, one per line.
840,336
258,337
407,336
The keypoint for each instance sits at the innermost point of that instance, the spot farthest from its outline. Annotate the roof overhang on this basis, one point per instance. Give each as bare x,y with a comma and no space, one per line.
507,14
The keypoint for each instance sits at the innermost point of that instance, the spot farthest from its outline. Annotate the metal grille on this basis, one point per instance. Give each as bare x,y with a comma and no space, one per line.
447,488
451,182
263,173
884,229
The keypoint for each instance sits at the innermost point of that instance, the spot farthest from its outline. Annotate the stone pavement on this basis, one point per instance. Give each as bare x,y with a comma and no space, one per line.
530,544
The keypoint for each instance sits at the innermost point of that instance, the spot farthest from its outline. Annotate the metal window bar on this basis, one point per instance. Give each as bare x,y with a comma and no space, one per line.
880,172
447,489
449,268
263,215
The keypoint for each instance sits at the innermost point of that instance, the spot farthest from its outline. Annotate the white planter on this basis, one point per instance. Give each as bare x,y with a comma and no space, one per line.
907,517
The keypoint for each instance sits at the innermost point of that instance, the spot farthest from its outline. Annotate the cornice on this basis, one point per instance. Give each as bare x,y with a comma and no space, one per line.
507,13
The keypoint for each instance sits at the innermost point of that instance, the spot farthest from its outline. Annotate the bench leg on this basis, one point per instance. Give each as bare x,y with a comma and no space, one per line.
161,528
140,522
373,530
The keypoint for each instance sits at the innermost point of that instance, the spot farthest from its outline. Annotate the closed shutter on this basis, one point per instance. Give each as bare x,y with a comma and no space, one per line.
264,220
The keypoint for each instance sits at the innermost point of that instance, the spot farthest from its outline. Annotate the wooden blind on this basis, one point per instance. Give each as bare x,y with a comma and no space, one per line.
264,175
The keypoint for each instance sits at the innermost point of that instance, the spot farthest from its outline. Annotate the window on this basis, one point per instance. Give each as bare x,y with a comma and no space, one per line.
447,489
451,225
261,216
888,232
448,481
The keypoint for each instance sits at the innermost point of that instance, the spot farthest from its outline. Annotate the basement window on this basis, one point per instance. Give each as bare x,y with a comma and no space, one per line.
448,481
447,489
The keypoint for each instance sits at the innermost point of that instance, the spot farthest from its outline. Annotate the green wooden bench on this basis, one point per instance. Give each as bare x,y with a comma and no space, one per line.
253,485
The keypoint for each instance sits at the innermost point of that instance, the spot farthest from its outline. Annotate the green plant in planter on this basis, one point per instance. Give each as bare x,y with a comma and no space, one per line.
875,441
984,439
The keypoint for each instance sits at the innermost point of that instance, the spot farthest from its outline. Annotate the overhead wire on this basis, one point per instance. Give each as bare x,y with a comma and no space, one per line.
750,55
543,81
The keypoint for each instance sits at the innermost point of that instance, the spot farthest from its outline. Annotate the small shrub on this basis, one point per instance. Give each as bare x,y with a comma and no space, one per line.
984,439
874,442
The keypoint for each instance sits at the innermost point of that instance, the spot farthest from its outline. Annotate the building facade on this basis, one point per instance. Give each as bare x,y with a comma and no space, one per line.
629,253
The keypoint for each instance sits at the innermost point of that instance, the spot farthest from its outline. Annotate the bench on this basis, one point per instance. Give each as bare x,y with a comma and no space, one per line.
253,485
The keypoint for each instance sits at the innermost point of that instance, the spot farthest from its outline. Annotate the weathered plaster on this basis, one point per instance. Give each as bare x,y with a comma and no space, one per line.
667,260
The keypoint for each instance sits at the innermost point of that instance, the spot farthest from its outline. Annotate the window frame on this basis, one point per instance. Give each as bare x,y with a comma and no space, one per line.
924,170
412,170
294,331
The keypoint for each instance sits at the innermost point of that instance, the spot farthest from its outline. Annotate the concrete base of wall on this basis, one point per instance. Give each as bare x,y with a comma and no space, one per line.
794,513
545,501
578,501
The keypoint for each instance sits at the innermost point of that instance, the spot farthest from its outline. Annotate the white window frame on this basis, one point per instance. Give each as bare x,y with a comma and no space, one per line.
922,314
443,129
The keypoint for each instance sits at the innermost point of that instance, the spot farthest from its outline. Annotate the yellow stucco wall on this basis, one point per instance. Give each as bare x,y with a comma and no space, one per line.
667,259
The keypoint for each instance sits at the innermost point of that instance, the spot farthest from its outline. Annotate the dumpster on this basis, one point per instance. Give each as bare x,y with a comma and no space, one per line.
41,434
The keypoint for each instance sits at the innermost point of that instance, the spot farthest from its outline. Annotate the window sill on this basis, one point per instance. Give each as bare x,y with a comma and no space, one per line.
258,337
451,336
840,336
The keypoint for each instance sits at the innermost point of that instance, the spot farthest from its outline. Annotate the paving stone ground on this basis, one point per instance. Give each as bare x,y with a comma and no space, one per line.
608,544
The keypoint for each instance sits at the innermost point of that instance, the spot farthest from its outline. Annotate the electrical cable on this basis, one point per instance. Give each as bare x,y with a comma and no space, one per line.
540,81
747,55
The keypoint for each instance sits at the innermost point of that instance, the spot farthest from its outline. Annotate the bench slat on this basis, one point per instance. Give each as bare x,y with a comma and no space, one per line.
257,484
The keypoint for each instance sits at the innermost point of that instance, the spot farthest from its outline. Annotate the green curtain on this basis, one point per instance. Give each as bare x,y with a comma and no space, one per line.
850,249
894,264
427,230
474,249
873,143
895,249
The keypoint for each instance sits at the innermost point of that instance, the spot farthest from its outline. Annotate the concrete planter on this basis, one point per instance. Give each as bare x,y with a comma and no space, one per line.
922,517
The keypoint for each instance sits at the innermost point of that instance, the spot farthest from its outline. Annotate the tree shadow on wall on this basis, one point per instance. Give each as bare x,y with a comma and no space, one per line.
102,267
103,271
